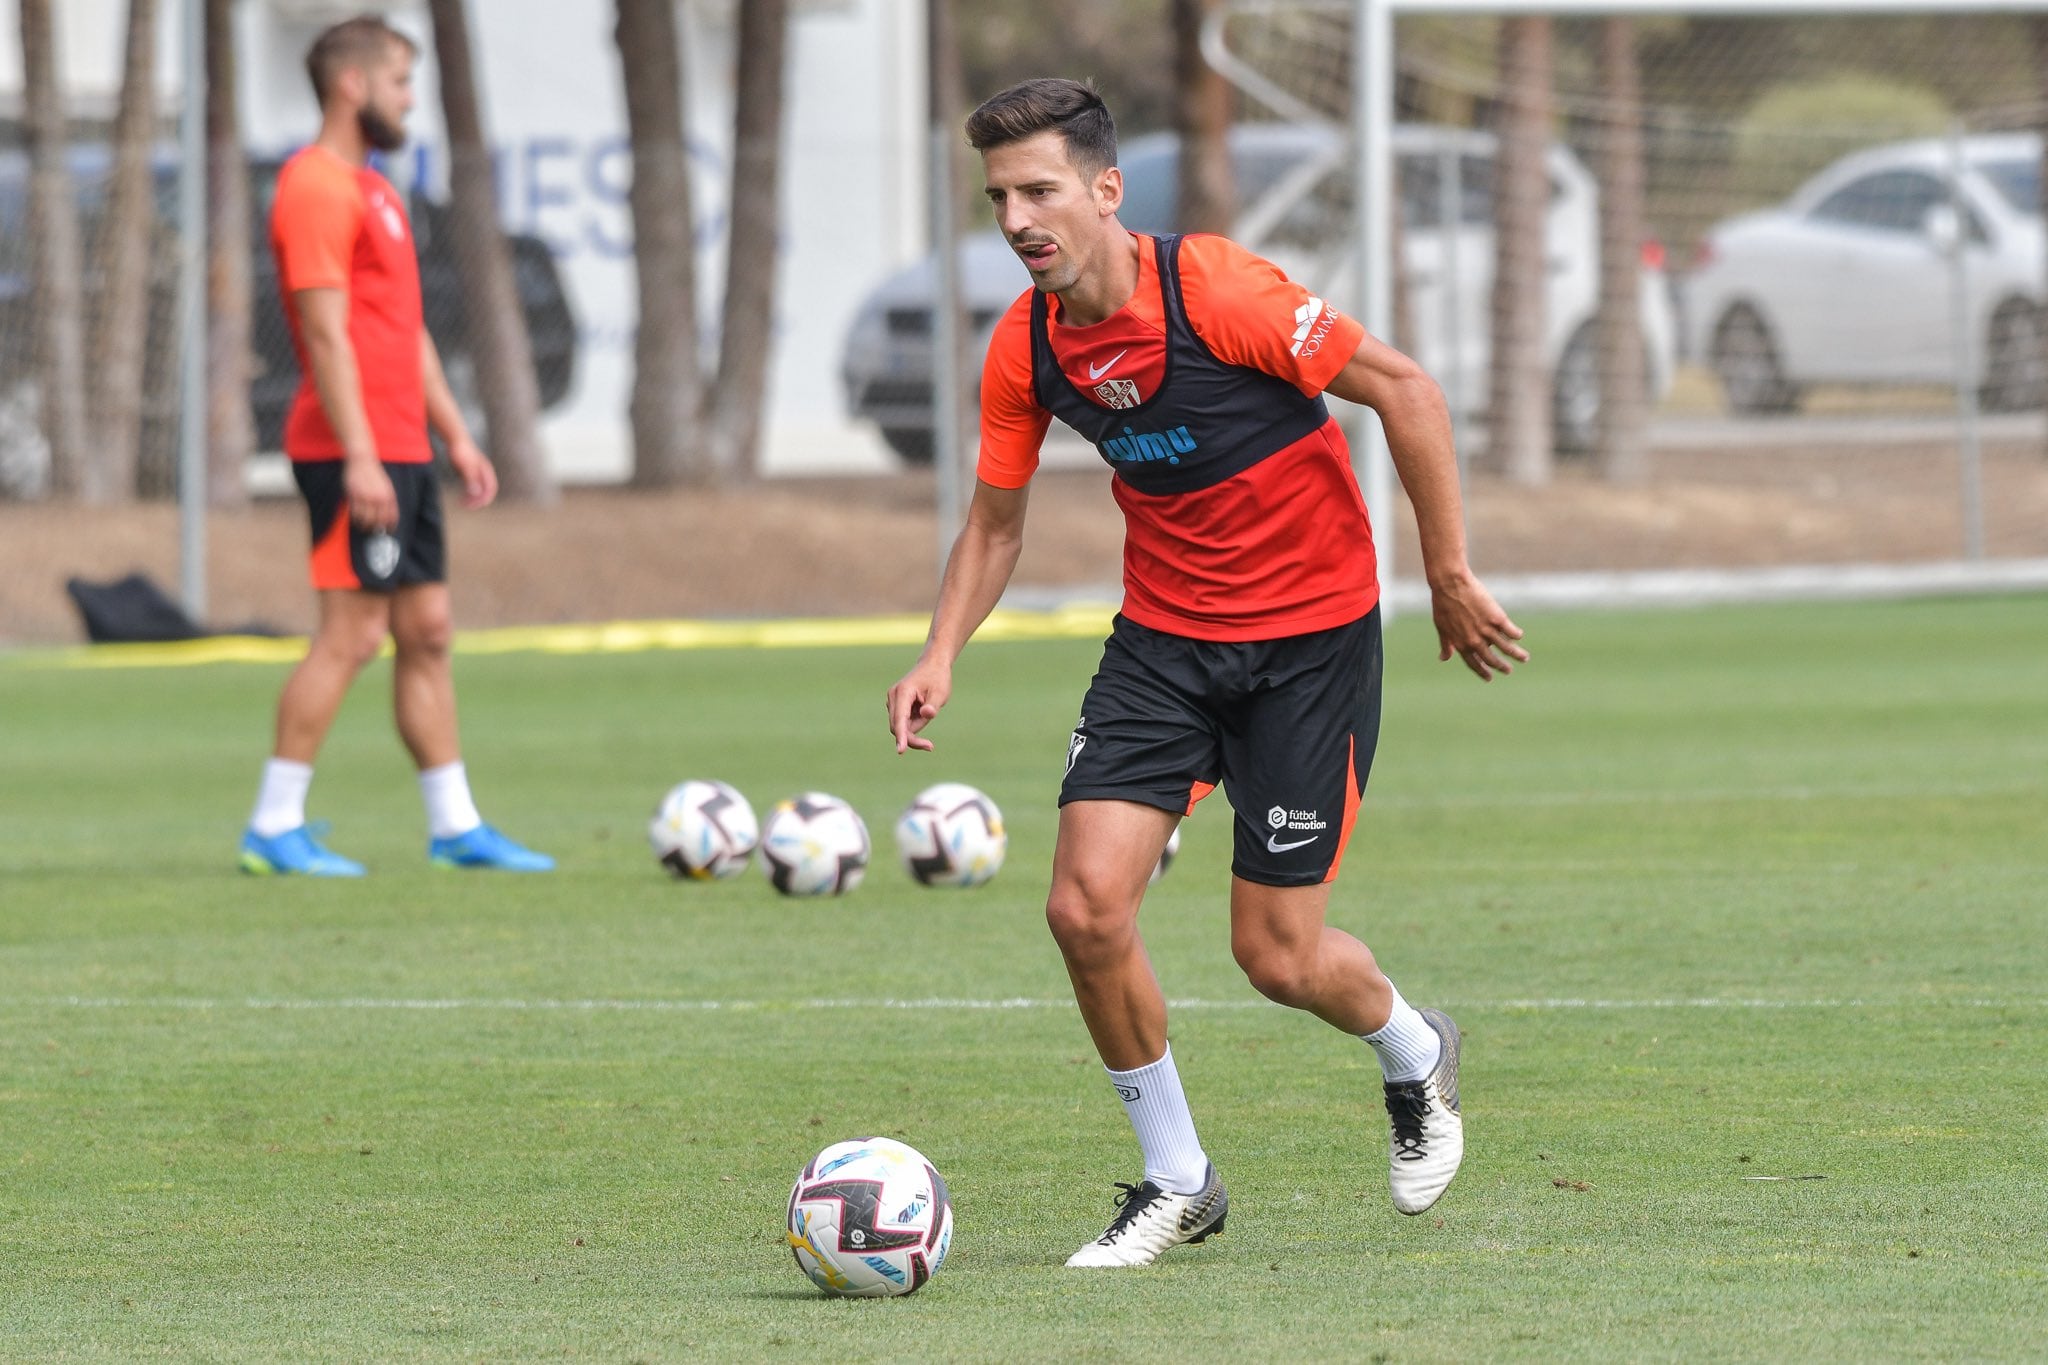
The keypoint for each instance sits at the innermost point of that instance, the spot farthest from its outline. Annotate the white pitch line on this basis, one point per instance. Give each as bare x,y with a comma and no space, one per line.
670,1006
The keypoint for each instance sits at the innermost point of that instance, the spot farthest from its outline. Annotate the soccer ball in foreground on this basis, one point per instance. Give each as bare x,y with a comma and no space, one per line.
1166,858
951,835
814,845
869,1218
703,830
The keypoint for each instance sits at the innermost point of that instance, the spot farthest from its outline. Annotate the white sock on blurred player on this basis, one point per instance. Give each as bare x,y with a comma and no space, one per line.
281,797
1407,1046
1158,1111
451,811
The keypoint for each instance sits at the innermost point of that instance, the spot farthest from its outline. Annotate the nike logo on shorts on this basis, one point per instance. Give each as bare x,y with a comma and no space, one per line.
1097,371
1273,844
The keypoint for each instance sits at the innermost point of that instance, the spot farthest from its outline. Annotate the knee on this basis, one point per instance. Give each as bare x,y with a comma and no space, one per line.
353,644
1276,971
1087,925
427,636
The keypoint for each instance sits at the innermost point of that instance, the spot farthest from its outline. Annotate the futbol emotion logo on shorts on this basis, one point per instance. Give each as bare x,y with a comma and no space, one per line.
1277,817
1284,820
380,554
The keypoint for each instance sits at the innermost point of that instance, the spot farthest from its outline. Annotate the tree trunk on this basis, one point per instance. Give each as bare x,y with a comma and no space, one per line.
1518,413
230,426
1623,442
667,384
500,350
746,332
122,322
53,244
1201,115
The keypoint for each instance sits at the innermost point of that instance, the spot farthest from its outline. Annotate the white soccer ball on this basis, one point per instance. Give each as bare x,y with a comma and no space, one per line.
951,835
703,830
814,845
869,1219
1166,858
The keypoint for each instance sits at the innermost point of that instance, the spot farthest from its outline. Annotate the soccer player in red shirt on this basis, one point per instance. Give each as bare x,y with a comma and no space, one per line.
1247,652
357,438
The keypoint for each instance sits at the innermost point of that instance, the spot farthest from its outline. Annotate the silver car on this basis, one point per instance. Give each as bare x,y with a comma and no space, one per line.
1850,281
1293,184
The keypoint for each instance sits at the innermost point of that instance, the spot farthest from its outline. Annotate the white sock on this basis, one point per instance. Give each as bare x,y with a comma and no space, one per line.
450,808
1408,1047
1158,1111
281,797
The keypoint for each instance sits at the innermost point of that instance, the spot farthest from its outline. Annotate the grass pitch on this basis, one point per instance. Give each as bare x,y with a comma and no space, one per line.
1741,911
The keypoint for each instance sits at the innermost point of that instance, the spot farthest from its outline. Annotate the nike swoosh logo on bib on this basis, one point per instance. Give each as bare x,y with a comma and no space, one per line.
1097,371
1274,846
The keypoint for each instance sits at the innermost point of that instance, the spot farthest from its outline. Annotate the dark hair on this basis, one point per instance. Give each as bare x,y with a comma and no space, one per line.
351,43
1070,108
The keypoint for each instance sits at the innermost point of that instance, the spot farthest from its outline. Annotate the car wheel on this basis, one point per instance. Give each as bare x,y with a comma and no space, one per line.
1745,360
24,449
913,445
2014,368
1575,408
1575,395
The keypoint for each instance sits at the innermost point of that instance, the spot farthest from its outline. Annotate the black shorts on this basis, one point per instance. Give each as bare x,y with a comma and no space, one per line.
347,557
1287,727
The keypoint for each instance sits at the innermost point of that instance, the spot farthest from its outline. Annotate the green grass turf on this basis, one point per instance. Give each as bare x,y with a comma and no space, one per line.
1792,860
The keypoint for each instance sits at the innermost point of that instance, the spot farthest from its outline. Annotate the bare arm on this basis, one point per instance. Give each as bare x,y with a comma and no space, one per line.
979,568
444,415
1411,408
323,328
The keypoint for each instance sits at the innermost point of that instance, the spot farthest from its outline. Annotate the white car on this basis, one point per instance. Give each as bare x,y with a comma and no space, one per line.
1850,281
1294,187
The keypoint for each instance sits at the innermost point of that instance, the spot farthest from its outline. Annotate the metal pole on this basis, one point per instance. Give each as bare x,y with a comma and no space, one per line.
1964,344
946,341
1372,121
192,320
1450,201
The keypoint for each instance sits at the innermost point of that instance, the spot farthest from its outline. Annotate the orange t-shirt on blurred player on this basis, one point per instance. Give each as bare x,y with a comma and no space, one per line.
339,226
1280,548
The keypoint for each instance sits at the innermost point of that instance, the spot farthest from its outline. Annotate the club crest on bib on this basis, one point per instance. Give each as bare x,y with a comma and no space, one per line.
1118,393
380,554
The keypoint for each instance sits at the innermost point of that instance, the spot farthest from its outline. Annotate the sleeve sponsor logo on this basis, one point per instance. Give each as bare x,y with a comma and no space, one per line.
1312,323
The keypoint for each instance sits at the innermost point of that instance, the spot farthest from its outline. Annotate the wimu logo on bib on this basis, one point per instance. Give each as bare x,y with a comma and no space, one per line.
1142,447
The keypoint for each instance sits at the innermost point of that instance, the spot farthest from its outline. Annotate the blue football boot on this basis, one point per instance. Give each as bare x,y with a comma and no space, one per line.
294,853
485,847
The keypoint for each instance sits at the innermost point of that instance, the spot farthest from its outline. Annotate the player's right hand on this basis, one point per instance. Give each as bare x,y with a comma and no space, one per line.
372,501
914,703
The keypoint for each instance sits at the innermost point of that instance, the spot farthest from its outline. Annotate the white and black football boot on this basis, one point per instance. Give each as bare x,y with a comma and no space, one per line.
1150,1220
1428,1138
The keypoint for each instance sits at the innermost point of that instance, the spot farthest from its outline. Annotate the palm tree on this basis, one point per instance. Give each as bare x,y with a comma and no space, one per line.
122,318
53,243
230,426
666,381
500,348
1623,440
746,332
1518,415
1208,190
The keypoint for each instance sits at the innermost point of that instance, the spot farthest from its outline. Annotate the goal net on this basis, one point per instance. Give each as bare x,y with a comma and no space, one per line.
1811,244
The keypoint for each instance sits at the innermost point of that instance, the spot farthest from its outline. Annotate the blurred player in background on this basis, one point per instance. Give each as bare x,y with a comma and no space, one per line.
1247,652
357,437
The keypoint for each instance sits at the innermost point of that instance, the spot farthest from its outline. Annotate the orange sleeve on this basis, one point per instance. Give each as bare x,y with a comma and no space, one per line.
1246,310
314,223
1013,425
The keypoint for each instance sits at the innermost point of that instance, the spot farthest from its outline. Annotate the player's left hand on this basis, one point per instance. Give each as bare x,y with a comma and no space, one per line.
1471,625
479,477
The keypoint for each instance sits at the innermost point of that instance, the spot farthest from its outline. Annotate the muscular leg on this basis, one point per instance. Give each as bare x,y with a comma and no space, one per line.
1106,851
423,678
1278,936
351,631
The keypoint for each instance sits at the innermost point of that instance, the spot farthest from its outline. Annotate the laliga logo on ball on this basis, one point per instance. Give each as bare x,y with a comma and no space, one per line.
951,835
